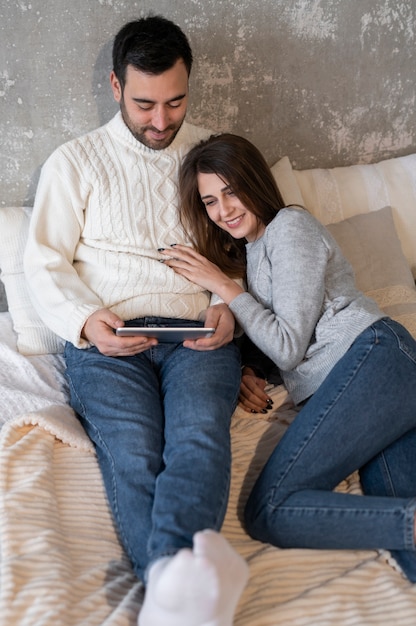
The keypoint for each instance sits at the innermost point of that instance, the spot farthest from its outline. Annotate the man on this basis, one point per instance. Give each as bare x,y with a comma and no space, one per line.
158,413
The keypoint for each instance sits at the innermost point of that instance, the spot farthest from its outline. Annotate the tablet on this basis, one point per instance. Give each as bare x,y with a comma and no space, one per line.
166,334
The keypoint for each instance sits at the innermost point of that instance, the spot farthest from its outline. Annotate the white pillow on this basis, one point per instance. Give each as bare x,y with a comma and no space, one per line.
335,194
33,336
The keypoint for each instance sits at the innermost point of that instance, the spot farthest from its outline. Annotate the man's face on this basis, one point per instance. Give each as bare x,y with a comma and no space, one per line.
153,106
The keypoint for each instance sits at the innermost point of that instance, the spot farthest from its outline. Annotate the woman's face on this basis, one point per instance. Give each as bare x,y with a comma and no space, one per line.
226,210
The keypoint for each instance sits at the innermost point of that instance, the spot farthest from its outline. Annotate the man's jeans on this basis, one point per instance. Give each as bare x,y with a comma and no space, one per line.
363,416
160,423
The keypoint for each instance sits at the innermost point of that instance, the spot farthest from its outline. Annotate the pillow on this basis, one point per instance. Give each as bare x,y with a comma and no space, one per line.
341,192
370,242
286,181
33,337
399,303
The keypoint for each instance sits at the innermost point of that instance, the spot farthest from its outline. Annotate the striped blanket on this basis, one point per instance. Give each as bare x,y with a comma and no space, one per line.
61,561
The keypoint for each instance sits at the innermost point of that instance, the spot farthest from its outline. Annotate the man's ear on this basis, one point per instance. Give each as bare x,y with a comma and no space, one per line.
116,87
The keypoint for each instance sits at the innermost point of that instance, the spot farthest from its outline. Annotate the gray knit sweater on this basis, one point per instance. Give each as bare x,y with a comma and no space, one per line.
302,308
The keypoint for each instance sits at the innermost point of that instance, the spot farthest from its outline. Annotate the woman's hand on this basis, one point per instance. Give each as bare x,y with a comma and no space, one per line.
196,268
253,398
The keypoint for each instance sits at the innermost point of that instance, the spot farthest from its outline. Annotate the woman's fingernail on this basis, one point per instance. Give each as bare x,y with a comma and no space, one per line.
264,411
172,245
160,249
253,411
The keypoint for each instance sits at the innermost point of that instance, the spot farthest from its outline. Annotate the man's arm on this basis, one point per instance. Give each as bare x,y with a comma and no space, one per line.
61,299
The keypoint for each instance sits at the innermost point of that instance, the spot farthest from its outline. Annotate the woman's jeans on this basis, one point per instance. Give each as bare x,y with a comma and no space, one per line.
160,423
363,416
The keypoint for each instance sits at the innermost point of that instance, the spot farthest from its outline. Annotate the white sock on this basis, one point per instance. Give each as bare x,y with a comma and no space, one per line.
199,587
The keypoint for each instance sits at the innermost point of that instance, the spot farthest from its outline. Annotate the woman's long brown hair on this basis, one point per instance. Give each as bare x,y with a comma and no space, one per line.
242,166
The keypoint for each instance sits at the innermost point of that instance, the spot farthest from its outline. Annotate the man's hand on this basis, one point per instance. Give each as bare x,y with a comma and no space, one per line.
253,398
219,317
99,330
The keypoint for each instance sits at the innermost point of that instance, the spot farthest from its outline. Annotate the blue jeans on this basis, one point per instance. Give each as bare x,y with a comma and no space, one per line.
160,424
362,417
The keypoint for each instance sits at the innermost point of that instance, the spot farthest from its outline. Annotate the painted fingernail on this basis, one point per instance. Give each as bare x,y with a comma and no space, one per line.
172,245
264,411
160,249
253,411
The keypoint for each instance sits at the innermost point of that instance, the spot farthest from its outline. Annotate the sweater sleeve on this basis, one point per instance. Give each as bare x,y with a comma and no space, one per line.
62,299
287,288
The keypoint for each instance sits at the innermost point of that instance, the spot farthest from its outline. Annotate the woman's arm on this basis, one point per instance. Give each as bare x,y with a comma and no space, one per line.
196,268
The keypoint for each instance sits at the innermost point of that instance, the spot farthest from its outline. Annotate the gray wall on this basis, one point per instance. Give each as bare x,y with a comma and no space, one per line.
327,82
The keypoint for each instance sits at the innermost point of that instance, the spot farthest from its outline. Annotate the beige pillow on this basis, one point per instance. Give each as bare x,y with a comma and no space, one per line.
286,181
370,243
335,194
33,337
399,303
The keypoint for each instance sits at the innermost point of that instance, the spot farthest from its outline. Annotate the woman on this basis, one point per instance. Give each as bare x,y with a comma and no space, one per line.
352,369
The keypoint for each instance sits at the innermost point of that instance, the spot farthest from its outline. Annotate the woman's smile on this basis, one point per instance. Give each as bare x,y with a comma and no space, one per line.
233,223
221,203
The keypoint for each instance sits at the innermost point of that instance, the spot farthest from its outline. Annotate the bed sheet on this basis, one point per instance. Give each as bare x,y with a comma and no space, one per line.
61,561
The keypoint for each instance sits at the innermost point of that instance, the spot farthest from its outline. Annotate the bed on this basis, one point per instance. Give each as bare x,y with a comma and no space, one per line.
60,559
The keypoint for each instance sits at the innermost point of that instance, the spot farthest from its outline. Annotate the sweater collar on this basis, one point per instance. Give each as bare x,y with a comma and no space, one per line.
118,126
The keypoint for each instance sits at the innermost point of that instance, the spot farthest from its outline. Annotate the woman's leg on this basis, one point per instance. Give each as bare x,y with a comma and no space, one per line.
393,473
367,402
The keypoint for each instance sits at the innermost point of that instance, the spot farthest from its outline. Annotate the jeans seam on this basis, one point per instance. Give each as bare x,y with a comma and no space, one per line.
410,525
386,474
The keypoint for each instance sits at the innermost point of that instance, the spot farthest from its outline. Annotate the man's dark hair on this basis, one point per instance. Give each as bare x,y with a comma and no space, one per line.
152,45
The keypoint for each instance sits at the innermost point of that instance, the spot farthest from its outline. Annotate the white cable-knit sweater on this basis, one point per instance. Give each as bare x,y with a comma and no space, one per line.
105,203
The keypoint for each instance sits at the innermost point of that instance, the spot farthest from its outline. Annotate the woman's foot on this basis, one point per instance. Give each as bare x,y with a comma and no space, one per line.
199,587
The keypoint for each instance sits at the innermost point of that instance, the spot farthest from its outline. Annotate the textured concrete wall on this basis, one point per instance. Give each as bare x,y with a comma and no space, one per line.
327,82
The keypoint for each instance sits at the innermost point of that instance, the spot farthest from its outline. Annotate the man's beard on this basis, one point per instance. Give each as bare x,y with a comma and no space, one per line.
139,132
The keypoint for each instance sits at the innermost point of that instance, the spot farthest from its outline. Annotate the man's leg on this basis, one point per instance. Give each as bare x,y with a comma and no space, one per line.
199,585
118,401
200,392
